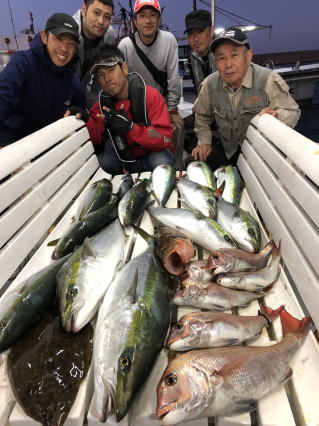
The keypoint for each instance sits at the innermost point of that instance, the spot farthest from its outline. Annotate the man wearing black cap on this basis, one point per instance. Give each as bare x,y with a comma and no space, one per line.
38,85
199,31
233,95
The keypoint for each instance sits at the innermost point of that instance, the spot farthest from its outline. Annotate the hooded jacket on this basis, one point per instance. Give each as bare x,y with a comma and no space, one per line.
90,86
34,92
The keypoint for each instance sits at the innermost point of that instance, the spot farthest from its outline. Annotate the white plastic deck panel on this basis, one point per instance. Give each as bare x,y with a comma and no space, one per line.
52,166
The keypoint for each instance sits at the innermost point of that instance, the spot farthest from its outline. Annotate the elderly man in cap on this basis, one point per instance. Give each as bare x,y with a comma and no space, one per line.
38,85
199,30
160,68
135,127
233,95
95,30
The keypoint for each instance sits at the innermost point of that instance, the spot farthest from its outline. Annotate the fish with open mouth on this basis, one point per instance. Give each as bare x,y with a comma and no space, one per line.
213,329
227,380
233,183
200,172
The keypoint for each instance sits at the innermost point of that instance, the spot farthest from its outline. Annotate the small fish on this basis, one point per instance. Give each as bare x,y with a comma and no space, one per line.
202,230
126,184
133,204
199,172
206,295
227,380
46,367
211,329
233,183
198,197
22,306
239,224
88,226
236,260
254,280
163,182
96,196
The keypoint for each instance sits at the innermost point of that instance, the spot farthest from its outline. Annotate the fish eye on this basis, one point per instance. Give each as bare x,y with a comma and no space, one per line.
215,256
125,362
179,326
72,292
171,379
251,232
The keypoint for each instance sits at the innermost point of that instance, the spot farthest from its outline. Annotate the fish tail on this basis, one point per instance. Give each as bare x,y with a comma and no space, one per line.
271,314
291,324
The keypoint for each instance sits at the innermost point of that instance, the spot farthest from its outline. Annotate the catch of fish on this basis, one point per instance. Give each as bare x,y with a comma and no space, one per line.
130,305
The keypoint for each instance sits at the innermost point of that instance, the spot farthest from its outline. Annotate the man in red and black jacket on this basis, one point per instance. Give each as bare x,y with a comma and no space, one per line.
130,119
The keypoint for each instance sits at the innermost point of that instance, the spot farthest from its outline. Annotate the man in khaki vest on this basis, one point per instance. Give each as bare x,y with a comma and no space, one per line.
233,95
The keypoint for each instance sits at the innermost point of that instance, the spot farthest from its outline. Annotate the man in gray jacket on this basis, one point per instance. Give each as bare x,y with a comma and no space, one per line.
94,19
233,95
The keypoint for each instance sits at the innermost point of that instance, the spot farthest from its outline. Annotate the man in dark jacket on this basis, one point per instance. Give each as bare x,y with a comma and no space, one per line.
38,85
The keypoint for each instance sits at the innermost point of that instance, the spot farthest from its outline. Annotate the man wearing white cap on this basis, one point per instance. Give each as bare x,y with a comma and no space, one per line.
233,95
160,48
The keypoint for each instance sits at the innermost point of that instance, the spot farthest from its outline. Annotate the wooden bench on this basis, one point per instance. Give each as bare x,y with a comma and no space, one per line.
44,175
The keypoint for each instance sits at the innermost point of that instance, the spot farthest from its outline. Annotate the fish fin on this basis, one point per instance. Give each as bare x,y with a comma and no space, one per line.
245,405
145,235
291,324
287,377
232,367
53,242
87,248
270,314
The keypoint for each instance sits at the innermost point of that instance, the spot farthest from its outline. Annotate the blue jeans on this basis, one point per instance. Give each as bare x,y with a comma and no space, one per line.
111,164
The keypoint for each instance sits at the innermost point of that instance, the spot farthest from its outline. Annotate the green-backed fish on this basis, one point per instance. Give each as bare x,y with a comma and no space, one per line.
132,323
23,305
88,226
133,204
46,368
198,197
163,182
233,183
240,224
95,197
125,184
201,229
200,172
85,277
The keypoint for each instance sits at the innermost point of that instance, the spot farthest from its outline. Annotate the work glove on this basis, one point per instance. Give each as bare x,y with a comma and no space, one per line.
118,122
79,112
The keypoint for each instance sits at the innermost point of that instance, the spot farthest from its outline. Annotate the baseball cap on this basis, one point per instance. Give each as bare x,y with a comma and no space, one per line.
199,19
150,3
233,34
108,62
60,23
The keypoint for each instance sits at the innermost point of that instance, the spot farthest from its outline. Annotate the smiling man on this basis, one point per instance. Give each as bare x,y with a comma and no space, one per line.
233,95
130,117
95,30
38,85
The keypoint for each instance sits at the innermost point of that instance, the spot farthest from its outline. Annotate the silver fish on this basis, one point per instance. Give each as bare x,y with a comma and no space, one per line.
233,183
255,280
133,204
206,295
239,224
199,172
95,197
202,230
211,329
163,182
228,380
198,270
236,260
198,197
86,276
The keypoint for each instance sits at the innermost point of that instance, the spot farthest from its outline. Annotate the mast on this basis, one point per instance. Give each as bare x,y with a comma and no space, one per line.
194,5
213,12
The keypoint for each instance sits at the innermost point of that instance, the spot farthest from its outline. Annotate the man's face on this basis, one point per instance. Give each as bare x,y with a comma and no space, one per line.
232,62
113,80
200,40
96,19
147,21
61,48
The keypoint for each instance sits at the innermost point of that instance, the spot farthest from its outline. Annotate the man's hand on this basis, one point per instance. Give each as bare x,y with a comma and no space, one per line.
269,111
201,152
117,122
176,119
79,113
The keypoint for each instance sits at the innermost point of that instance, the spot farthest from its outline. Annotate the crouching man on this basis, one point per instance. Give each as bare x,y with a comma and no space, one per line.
131,119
